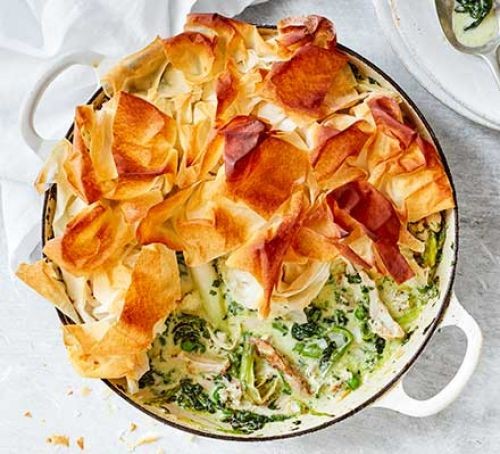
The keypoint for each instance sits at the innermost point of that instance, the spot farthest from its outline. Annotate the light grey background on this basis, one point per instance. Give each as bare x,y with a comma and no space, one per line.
35,375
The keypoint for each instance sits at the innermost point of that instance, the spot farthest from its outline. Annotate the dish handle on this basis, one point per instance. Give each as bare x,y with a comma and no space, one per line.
398,400
34,140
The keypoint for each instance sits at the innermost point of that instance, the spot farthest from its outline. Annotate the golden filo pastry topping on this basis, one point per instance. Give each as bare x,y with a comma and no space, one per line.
262,148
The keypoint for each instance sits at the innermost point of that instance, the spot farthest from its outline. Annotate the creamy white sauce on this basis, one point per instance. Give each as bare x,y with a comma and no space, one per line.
475,37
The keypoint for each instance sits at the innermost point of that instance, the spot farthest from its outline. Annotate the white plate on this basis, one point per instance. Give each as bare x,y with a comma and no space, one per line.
462,82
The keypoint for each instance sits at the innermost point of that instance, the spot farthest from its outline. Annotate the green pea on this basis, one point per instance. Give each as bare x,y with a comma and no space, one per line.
354,382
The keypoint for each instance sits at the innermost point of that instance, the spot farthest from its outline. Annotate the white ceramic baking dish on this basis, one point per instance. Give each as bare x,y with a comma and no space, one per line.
385,388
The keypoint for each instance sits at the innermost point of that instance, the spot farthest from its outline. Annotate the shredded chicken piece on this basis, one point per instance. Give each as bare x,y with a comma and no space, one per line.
278,361
202,363
381,320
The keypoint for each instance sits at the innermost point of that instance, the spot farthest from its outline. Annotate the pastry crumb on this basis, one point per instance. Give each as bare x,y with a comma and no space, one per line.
146,440
133,427
80,442
56,439
85,391
27,414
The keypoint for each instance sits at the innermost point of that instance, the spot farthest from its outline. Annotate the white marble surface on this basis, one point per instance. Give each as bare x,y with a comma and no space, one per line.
35,375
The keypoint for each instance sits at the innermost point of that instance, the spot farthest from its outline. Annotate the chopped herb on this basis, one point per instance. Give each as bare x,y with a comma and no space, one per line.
244,421
379,345
476,9
280,326
148,379
333,351
216,395
366,332
361,312
287,389
365,294
235,361
189,333
235,308
327,354
407,336
305,330
339,317
272,405
151,377
216,283
313,313
353,278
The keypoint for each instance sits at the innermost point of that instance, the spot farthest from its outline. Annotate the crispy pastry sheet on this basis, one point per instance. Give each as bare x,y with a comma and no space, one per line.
258,146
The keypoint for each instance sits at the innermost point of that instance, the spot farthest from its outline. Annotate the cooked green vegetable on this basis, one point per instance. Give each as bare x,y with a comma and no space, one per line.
476,9
308,349
339,317
287,389
190,333
247,372
431,249
379,345
353,278
305,330
235,308
148,379
311,327
354,382
191,396
248,422
318,329
362,315
333,351
361,312
280,326
208,281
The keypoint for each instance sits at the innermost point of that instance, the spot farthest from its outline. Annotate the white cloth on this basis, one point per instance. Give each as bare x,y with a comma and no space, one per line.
35,32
